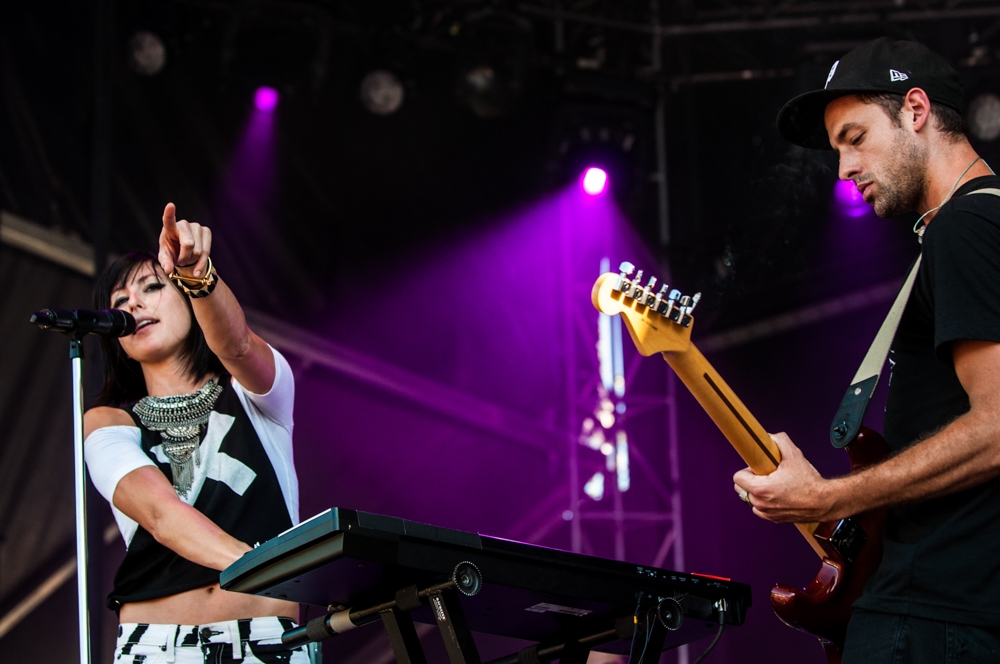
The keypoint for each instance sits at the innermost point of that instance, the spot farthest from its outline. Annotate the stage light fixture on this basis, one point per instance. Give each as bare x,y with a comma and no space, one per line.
381,92
849,200
286,45
595,181
265,99
146,53
621,462
595,486
494,49
984,117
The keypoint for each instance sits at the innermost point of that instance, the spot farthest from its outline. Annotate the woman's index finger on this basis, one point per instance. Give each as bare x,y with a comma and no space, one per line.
170,219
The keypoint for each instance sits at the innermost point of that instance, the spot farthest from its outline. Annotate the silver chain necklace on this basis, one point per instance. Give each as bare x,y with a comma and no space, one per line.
180,419
921,226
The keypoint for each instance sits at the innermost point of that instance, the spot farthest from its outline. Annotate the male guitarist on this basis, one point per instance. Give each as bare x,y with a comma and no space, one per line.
890,109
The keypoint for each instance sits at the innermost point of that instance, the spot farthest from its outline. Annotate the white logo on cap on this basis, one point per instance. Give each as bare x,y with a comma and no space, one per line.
829,77
897,76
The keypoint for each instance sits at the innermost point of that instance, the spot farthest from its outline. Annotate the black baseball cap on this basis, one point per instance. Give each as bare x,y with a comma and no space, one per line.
883,65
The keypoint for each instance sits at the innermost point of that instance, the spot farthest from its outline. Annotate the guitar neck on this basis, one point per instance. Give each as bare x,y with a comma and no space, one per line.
740,427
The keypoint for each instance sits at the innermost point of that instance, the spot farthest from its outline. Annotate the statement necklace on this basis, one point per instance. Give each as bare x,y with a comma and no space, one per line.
920,226
180,419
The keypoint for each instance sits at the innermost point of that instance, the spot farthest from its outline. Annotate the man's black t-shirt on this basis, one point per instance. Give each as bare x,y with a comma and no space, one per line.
942,556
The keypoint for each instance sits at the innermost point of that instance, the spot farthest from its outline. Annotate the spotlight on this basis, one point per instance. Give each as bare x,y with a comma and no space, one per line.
595,181
611,139
265,99
849,199
984,117
146,53
492,61
594,486
481,80
381,92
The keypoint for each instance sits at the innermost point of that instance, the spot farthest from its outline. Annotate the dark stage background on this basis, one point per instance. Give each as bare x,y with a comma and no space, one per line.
427,271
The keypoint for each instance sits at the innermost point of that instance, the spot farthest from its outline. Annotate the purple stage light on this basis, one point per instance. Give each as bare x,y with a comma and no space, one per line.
595,181
849,199
265,99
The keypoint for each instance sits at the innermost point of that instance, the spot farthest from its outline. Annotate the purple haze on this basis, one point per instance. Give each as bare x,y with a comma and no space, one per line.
487,316
849,200
243,204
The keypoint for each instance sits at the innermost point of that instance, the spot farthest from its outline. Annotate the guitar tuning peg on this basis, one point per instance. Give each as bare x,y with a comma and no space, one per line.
688,305
645,295
672,309
623,285
633,287
658,305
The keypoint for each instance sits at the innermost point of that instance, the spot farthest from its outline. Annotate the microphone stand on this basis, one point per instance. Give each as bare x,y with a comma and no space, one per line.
80,477
76,325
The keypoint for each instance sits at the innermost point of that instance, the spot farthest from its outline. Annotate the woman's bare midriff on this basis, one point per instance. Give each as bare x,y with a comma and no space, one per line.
205,605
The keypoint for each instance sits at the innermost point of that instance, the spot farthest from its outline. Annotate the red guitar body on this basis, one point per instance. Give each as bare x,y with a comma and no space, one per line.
824,606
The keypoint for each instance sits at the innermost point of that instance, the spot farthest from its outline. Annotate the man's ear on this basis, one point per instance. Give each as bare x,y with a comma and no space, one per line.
917,108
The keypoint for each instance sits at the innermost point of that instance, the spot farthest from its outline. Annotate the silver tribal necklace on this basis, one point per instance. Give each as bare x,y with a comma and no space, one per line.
180,420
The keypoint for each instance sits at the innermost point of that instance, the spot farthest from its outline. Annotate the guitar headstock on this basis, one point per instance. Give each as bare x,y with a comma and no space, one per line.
658,320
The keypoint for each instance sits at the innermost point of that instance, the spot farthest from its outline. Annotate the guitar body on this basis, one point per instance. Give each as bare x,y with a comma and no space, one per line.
824,606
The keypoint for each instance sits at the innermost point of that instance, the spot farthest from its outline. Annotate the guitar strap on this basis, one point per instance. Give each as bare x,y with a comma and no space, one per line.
852,409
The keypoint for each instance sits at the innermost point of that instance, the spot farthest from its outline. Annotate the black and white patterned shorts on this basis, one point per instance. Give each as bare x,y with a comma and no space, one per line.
250,641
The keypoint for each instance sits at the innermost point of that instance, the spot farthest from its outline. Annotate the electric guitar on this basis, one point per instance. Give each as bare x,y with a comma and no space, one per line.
659,321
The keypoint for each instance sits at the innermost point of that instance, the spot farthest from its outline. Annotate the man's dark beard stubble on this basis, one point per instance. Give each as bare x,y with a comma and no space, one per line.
904,179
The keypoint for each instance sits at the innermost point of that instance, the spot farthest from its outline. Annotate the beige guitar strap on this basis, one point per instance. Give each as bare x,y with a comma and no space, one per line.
855,402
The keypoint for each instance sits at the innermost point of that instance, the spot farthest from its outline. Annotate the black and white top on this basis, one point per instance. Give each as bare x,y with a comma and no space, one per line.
246,473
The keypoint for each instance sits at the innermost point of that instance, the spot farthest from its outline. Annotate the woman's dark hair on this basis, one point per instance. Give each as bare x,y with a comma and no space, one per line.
123,380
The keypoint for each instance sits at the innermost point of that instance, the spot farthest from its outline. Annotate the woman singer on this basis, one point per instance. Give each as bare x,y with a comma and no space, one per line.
191,443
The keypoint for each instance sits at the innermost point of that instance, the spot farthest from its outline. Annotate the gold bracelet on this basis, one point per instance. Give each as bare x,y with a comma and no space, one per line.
204,285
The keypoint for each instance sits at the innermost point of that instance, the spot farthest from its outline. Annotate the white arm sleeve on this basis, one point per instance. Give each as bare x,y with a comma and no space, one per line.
111,454
277,404
271,416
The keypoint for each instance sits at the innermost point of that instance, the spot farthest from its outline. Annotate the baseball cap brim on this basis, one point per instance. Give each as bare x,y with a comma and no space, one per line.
801,121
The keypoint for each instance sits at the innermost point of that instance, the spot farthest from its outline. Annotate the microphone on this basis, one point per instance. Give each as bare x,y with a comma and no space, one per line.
110,322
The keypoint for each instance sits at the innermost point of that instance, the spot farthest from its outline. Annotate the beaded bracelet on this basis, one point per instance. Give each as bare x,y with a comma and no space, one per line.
205,285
